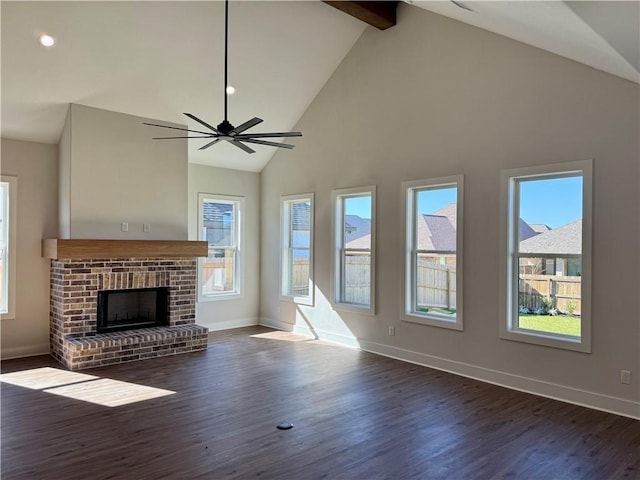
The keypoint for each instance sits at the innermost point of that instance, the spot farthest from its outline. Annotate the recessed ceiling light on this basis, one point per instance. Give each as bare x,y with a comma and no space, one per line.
230,90
47,40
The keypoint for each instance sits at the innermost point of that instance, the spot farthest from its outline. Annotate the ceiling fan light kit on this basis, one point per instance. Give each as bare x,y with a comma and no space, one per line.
225,130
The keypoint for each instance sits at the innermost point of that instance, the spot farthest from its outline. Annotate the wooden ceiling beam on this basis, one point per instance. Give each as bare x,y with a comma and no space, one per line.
381,15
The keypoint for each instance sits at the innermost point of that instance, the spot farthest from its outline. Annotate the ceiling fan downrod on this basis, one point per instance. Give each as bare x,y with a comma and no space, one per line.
225,130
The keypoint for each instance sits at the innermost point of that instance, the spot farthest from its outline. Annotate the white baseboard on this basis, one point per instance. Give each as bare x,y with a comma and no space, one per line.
21,352
311,332
278,325
619,406
229,324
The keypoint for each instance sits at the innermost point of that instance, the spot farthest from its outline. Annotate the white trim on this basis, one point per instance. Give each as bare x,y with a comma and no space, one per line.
12,245
285,225
9,353
238,221
342,340
230,324
336,242
406,294
584,398
508,216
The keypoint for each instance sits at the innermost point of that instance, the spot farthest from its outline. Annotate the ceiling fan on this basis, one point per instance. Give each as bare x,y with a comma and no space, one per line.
225,130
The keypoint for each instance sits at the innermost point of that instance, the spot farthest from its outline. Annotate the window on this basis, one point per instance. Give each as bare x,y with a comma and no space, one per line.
546,246
354,254
8,210
433,252
220,222
296,271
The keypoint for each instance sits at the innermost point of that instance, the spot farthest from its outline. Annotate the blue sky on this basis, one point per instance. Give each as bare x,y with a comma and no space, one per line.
553,202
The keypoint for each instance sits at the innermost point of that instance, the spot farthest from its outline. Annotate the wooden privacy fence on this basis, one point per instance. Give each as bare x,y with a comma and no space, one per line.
565,292
217,274
436,285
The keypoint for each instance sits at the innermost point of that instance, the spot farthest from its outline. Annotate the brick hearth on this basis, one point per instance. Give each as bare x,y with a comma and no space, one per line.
74,291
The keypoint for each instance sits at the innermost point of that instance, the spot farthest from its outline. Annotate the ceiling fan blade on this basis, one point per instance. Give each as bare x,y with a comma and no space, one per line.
172,138
266,135
271,144
246,125
209,144
176,128
202,122
241,146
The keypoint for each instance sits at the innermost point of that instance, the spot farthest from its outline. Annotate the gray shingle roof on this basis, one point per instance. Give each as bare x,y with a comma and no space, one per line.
358,227
564,240
540,227
525,231
435,232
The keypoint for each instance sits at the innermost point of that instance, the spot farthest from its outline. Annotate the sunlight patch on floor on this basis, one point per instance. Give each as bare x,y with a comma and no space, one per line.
45,377
109,393
297,337
81,386
284,336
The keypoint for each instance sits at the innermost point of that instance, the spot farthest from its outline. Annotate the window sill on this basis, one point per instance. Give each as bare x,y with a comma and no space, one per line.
203,298
547,340
308,301
352,308
433,321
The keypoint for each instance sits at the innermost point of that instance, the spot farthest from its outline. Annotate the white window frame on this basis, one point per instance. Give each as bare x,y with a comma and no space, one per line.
509,329
238,222
286,247
9,284
409,192
338,249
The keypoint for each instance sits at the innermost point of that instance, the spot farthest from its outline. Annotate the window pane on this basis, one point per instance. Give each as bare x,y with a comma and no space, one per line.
357,278
357,222
549,257
300,263
300,224
435,230
297,240
218,223
218,271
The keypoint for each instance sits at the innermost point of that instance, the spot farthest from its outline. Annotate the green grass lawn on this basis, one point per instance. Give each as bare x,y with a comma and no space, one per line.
546,323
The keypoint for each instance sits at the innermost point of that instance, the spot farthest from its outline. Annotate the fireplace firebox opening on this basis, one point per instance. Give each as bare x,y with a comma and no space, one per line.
132,309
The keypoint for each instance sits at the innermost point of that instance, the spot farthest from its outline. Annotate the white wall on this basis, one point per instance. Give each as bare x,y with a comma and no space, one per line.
119,174
237,311
36,167
433,97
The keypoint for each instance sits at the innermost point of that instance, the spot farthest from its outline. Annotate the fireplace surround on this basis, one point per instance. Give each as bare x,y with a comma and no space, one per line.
75,282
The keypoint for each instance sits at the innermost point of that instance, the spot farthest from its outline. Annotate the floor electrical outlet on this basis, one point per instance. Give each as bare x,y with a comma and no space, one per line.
625,377
392,331
124,226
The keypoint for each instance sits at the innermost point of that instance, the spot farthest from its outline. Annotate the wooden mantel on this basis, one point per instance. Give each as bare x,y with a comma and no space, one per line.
58,248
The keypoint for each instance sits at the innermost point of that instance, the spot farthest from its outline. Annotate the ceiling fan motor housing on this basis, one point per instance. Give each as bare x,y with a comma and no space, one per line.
225,127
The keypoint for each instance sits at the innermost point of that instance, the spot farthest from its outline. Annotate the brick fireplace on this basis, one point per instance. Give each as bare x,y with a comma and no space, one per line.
75,283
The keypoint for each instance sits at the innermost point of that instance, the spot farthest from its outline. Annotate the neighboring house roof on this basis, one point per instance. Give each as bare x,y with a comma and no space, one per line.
217,221
360,242
359,227
564,240
540,227
301,216
525,231
435,232
450,211
213,213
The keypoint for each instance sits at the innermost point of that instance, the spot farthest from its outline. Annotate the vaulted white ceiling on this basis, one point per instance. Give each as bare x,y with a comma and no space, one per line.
159,59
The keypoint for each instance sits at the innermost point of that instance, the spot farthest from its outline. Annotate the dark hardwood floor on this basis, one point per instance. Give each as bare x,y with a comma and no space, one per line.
356,416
